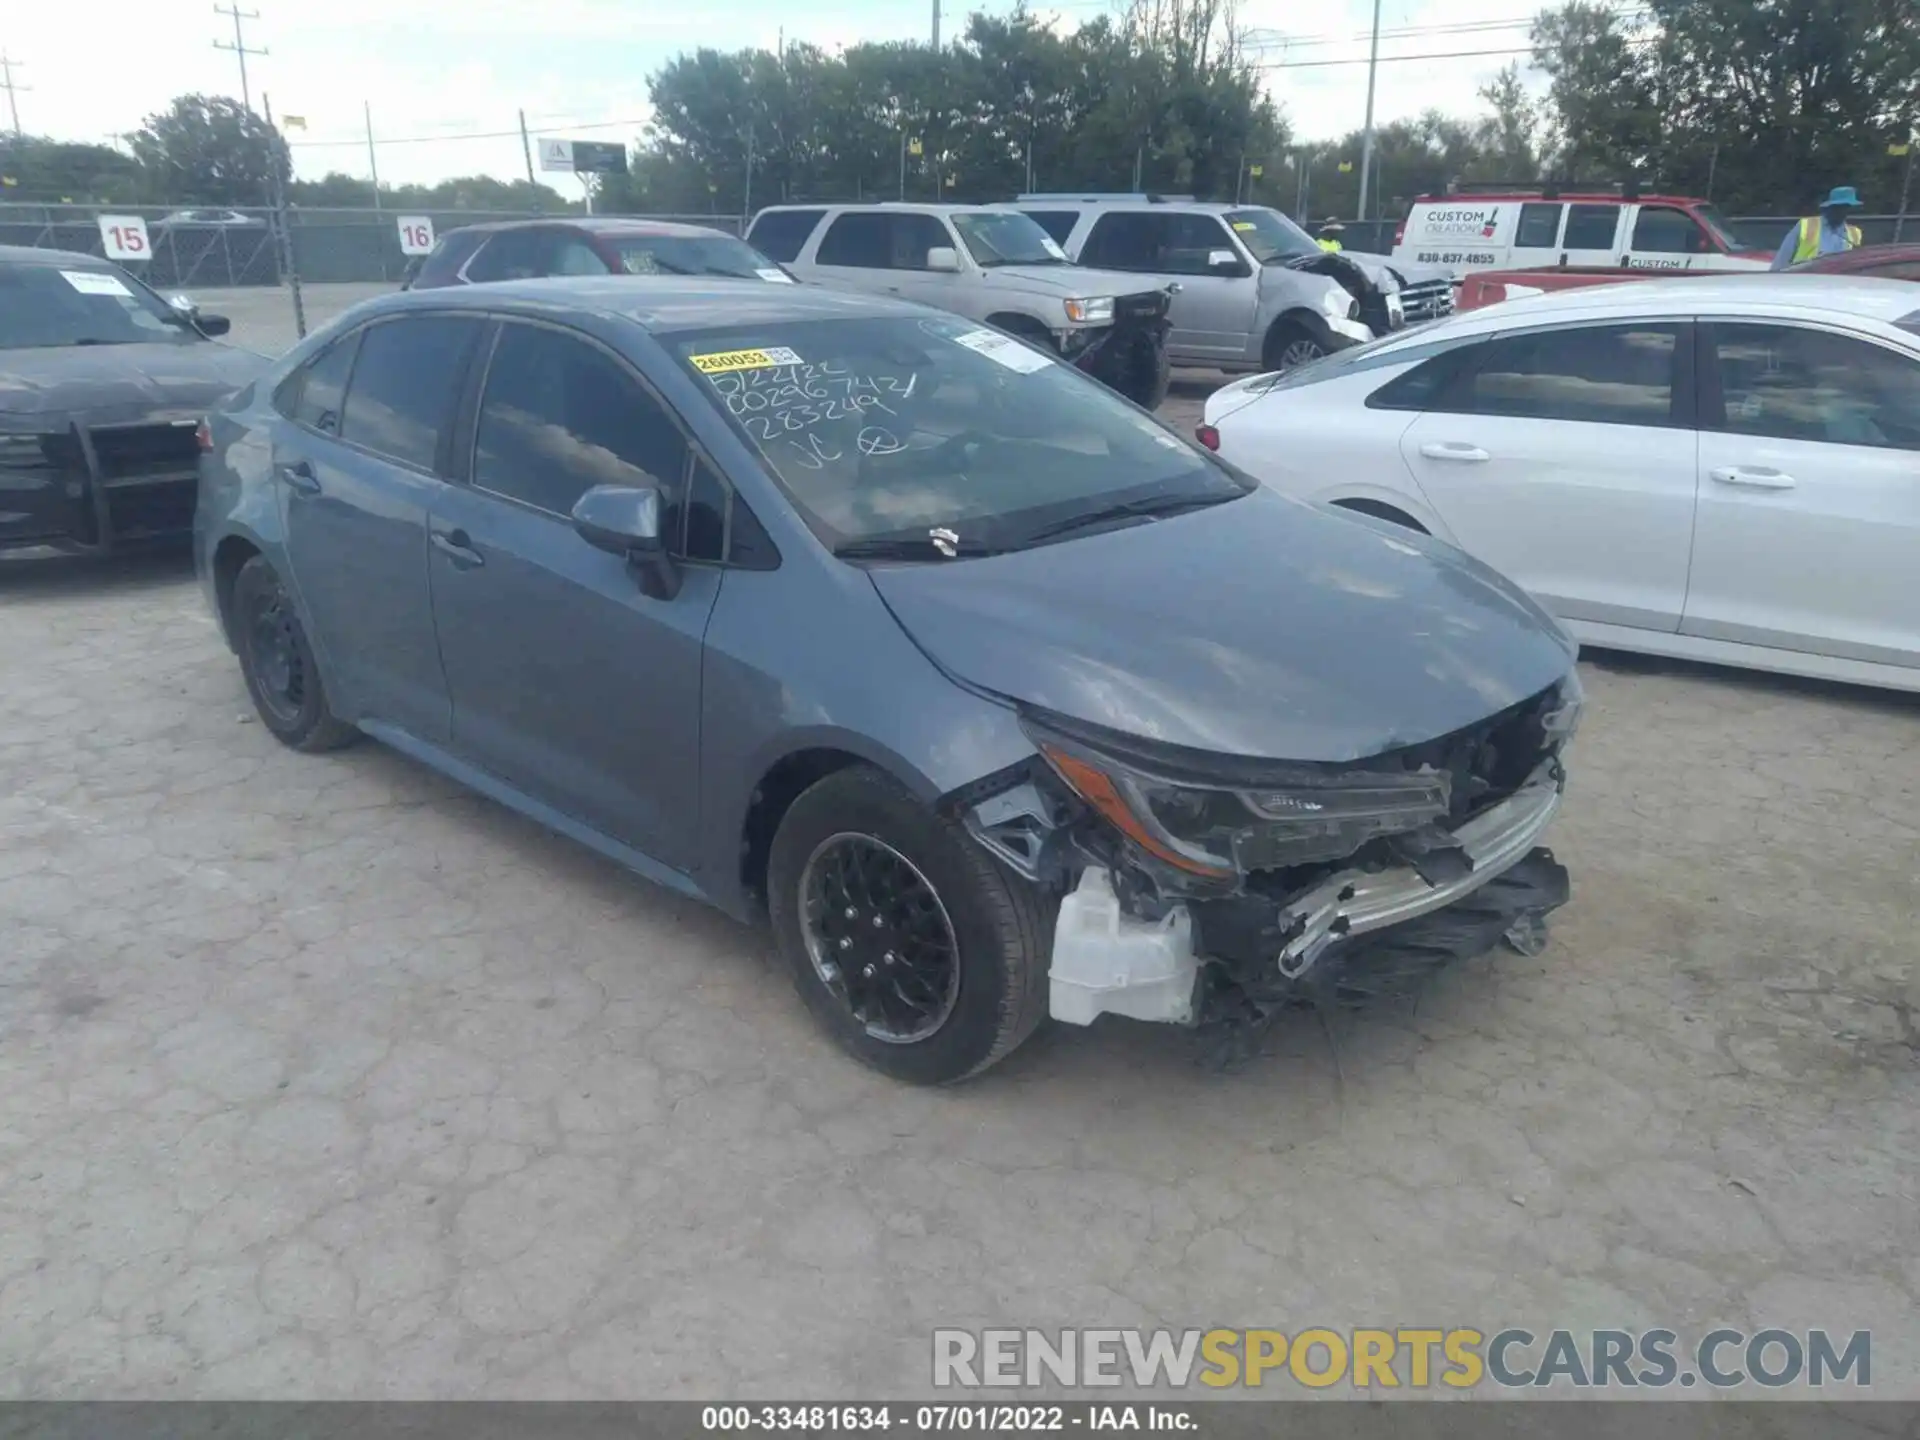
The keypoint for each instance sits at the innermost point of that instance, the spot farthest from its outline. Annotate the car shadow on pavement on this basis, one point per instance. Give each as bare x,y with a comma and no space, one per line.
53,576
1756,683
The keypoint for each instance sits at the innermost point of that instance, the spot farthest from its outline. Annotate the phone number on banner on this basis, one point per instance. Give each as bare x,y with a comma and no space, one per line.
975,1419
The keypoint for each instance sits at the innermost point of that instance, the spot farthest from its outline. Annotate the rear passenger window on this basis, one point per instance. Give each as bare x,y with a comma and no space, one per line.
1539,227
404,384
782,234
1605,374
559,417
1591,227
312,395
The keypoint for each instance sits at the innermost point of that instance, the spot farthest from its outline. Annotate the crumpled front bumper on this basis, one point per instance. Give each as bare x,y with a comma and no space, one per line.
1130,355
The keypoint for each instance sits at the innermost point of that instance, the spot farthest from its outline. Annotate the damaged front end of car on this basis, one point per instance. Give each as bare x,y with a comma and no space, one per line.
1200,889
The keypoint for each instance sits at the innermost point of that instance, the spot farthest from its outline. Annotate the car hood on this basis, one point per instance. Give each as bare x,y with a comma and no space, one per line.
105,384
1408,272
1071,282
1263,628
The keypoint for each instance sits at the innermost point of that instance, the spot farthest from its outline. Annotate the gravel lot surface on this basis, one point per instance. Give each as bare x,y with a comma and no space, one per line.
321,1077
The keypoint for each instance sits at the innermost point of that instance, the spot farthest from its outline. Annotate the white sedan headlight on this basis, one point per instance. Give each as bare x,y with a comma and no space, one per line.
1098,311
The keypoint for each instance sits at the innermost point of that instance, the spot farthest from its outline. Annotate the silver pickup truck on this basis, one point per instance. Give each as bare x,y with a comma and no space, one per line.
990,264
1256,292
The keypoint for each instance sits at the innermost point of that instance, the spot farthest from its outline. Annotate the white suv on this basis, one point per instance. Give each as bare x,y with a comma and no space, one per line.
1255,292
988,264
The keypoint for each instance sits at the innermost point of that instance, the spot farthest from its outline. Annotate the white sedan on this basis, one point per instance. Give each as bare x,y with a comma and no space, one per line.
1720,470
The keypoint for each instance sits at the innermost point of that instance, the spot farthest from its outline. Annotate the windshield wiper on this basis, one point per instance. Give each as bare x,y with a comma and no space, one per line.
913,547
1155,508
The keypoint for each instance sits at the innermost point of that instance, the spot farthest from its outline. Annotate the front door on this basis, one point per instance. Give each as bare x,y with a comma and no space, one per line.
1809,528
1565,457
1212,314
567,682
357,467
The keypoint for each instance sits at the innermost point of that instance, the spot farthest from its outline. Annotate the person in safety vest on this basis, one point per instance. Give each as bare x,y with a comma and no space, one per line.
1824,234
1329,237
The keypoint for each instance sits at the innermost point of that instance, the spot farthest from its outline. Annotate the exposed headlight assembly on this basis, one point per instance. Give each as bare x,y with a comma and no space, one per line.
1339,304
1296,817
1098,311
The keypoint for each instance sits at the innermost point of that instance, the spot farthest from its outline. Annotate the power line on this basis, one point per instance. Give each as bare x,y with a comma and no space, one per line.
239,45
1389,59
468,135
1271,38
6,80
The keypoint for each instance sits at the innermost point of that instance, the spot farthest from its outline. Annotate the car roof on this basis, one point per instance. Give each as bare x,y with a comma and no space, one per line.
1759,293
884,207
1576,197
660,304
595,224
66,259
1861,257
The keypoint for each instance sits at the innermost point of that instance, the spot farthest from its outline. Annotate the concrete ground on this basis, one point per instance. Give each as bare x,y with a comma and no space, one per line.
321,1077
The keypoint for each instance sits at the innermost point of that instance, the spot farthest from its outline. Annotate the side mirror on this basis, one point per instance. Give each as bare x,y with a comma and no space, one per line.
944,258
211,325
1223,262
625,520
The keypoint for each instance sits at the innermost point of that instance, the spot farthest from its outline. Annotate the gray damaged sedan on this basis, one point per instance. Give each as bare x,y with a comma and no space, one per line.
997,697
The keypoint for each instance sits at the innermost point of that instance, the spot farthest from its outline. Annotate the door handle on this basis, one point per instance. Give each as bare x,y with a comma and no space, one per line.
1454,450
1757,477
298,476
457,546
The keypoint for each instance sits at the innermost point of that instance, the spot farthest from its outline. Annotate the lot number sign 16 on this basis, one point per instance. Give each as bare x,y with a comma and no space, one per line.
416,234
124,237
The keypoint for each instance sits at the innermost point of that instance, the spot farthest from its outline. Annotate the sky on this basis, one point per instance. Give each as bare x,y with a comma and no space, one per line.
435,70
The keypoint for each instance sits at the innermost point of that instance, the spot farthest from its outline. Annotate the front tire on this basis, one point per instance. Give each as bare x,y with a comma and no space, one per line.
278,663
1291,344
917,952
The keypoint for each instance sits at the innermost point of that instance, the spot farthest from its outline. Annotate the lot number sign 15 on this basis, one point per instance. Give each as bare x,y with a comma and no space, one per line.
124,237
416,234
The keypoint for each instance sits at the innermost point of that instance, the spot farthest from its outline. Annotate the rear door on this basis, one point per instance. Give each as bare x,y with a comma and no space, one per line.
359,468
858,250
782,234
1565,457
1536,234
567,681
1809,529
1591,235
1212,313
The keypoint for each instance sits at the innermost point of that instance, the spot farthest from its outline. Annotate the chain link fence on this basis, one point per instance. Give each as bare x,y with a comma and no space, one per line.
237,247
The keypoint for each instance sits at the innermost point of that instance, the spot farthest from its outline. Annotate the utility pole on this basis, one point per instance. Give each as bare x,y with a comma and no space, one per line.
1906,189
1366,139
373,163
239,45
289,261
6,79
936,24
526,153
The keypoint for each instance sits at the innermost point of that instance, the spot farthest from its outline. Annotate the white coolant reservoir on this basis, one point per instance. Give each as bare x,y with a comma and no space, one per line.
1107,962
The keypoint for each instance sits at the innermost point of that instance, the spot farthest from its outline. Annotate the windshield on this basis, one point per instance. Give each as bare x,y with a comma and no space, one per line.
1005,238
694,255
889,428
1270,236
44,307
1716,224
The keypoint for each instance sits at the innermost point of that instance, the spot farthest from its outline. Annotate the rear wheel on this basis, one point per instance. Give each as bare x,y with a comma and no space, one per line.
278,663
917,952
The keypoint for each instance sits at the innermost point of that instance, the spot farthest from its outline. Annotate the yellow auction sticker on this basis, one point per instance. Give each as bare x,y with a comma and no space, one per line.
1243,225
721,361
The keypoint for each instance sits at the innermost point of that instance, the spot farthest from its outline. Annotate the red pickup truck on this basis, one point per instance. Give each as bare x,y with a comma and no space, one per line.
1489,287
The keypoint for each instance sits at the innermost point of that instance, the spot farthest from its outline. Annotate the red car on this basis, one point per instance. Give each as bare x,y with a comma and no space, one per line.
1891,262
529,249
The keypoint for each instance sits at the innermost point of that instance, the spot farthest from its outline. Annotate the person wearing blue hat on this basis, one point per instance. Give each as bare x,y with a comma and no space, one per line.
1824,234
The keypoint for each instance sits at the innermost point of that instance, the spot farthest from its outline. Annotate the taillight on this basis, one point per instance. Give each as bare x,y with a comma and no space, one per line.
1207,436
204,435
1399,234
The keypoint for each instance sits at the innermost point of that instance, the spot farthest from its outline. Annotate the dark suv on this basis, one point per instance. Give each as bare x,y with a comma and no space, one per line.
533,249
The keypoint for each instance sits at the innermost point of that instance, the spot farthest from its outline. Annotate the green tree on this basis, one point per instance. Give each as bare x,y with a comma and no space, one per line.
209,150
1767,101
35,168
